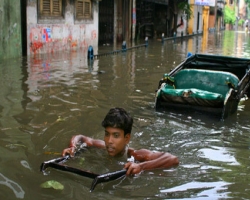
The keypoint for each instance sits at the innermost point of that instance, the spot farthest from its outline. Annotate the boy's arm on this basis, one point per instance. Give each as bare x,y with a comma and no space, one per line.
82,139
150,160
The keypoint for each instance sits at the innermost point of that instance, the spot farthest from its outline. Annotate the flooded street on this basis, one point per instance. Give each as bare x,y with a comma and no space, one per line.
47,99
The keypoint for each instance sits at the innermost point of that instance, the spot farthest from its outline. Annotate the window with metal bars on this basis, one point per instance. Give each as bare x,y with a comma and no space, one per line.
50,8
83,9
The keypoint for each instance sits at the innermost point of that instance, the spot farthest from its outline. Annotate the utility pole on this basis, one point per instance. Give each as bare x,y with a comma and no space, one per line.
133,19
115,23
237,13
215,15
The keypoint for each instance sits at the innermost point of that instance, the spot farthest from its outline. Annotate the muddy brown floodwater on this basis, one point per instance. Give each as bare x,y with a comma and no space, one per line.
48,98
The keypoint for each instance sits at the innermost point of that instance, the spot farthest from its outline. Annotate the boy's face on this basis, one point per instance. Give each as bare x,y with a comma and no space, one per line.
115,141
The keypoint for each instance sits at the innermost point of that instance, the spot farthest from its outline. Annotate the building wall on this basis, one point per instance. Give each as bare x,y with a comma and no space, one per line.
181,29
196,20
211,21
216,19
191,21
10,29
243,9
50,36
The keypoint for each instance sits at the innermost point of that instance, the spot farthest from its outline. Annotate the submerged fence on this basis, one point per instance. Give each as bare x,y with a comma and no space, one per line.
92,56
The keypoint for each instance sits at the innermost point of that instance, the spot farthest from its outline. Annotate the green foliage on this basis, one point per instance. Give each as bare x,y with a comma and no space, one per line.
229,15
185,7
248,3
241,22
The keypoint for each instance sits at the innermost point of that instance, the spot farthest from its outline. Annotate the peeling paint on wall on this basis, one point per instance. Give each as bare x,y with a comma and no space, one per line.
10,29
56,38
66,36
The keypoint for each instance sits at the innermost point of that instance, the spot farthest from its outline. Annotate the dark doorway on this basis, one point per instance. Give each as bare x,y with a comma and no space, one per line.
145,19
23,27
198,22
160,20
106,21
151,18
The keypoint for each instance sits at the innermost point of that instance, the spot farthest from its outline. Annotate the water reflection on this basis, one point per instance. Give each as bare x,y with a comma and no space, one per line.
17,189
47,99
199,190
218,154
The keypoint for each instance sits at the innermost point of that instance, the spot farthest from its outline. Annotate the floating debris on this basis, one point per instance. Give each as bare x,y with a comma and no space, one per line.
60,119
52,184
12,146
51,153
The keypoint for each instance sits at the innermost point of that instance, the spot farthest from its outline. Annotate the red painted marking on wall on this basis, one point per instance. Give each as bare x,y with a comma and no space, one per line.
53,38
70,38
34,46
74,44
93,34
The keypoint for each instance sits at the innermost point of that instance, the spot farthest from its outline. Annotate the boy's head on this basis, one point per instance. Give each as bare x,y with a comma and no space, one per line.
118,118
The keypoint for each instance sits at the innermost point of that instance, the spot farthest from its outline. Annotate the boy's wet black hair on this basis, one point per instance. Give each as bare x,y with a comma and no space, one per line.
118,118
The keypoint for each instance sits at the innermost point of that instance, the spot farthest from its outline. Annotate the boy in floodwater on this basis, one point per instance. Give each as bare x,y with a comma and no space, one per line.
118,125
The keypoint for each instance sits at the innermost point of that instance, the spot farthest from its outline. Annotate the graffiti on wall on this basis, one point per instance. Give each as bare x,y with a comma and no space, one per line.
93,35
46,35
36,42
52,38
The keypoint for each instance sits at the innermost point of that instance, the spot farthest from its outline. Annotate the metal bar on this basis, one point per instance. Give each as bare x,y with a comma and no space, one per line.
98,178
73,170
45,164
107,177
